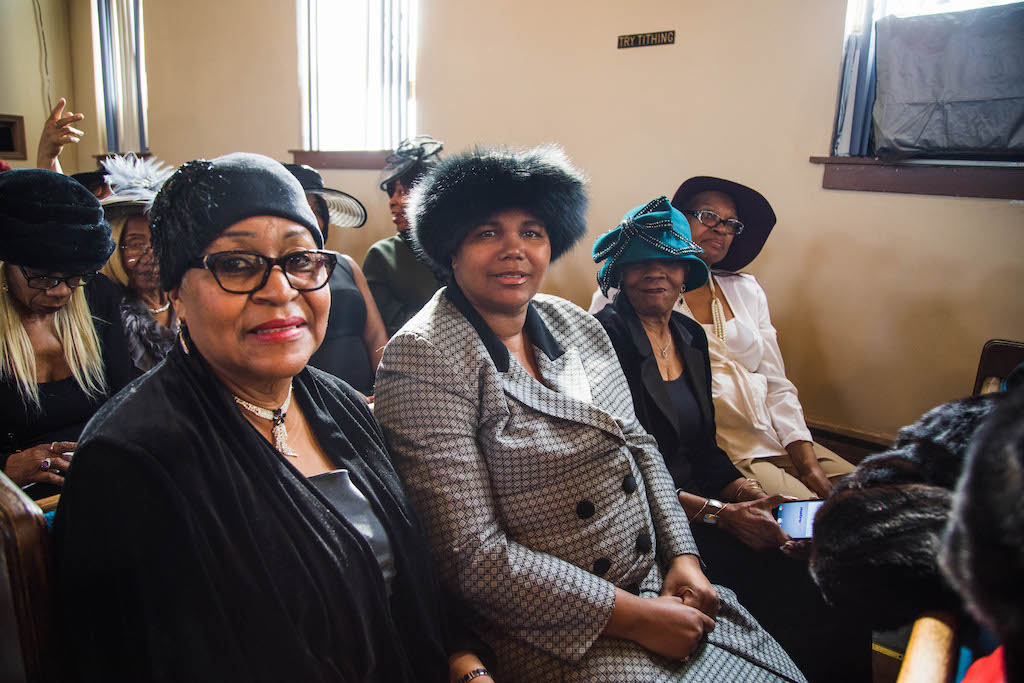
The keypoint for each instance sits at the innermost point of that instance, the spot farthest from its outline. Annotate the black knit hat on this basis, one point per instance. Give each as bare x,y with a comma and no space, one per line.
51,222
203,198
462,191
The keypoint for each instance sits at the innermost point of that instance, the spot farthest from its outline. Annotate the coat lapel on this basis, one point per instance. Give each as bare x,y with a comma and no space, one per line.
565,392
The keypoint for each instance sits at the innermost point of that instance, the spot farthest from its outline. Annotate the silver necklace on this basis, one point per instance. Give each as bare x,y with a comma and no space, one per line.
277,417
664,351
163,308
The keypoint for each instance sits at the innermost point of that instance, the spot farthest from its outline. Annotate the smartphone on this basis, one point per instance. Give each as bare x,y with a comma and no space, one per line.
797,517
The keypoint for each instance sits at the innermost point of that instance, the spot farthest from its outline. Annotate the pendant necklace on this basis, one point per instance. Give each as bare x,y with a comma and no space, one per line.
277,417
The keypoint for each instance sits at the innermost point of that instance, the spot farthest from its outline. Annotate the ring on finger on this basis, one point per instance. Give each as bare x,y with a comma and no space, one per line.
45,464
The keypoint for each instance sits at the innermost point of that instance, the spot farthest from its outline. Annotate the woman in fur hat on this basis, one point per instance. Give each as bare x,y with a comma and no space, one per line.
60,357
548,508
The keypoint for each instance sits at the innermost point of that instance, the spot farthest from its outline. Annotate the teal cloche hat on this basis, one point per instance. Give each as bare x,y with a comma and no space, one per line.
655,230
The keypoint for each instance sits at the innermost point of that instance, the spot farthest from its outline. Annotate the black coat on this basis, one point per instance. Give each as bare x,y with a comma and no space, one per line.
776,589
188,549
695,461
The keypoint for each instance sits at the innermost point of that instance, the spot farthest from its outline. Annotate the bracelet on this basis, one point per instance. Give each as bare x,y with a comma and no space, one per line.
475,673
706,501
714,515
750,484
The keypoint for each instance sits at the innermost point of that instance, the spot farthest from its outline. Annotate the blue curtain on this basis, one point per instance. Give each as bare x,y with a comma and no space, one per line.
852,129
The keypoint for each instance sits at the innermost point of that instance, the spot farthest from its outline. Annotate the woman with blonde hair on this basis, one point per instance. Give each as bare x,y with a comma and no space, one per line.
60,357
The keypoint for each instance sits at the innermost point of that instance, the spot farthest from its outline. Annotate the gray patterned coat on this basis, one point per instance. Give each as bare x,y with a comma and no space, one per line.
539,498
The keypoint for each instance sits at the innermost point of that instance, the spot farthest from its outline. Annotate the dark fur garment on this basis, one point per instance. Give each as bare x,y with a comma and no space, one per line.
464,190
877,537
983,549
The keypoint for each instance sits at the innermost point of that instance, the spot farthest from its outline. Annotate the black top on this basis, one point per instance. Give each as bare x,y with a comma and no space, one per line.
65,407
349,502
685,403
692,455
188,549
343,353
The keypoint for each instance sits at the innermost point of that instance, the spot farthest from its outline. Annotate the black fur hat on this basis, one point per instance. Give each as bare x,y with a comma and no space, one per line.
877,537
463,190
983,549
51,222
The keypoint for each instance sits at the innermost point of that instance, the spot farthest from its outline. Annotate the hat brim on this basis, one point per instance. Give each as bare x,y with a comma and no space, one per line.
754,210
344,210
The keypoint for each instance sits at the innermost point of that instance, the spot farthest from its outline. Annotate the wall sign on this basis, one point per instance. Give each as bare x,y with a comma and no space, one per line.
647,39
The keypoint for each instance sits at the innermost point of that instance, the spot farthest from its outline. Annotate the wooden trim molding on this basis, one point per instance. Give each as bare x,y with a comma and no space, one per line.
372,160
853,435
15,127
868,174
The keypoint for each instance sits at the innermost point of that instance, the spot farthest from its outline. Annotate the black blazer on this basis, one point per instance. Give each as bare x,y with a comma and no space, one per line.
695,461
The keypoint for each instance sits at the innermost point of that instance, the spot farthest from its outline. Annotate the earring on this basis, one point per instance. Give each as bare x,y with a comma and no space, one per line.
182,331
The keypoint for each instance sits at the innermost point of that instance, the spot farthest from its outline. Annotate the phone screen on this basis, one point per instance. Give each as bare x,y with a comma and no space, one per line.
797,517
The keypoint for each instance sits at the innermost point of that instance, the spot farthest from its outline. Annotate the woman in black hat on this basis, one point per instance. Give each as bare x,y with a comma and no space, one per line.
60,355
548,507
355,335
402,282
760,422
235,516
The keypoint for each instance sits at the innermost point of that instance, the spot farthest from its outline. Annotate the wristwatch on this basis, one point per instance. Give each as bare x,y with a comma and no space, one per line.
710,511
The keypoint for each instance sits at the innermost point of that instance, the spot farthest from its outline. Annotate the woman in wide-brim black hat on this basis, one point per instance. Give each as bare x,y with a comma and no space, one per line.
356,334
548,507
759,417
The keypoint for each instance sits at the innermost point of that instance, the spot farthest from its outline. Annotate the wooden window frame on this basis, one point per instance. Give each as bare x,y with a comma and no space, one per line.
372,160
16,124
867,174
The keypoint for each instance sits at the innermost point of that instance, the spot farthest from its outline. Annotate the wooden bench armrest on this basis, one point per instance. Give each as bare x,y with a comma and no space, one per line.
932,652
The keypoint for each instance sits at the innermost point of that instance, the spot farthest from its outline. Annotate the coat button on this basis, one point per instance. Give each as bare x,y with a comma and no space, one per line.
643,543
584,509
602,565
629,483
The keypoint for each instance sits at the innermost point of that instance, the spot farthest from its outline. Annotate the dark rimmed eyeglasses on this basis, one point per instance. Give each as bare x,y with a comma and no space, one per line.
244,272
51,281
713,220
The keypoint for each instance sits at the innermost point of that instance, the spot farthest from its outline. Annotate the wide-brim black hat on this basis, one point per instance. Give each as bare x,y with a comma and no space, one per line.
343,209
754,211
464,190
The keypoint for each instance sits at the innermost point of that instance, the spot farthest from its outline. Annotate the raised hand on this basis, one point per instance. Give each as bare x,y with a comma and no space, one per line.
57,132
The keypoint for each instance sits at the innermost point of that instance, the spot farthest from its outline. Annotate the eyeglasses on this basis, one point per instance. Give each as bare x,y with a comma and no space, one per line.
713,220
51,281
135,251
244,272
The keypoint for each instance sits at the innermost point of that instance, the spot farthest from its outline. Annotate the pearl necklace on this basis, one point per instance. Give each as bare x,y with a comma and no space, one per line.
163,308
277,416
717,312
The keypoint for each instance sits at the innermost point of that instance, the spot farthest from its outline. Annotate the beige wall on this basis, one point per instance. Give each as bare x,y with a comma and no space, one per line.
23,89
882,301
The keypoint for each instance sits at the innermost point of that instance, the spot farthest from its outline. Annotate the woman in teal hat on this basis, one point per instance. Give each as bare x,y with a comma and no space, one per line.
651,260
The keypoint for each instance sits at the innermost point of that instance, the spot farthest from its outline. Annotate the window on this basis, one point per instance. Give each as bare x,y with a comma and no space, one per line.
123,71
359,66
947,87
